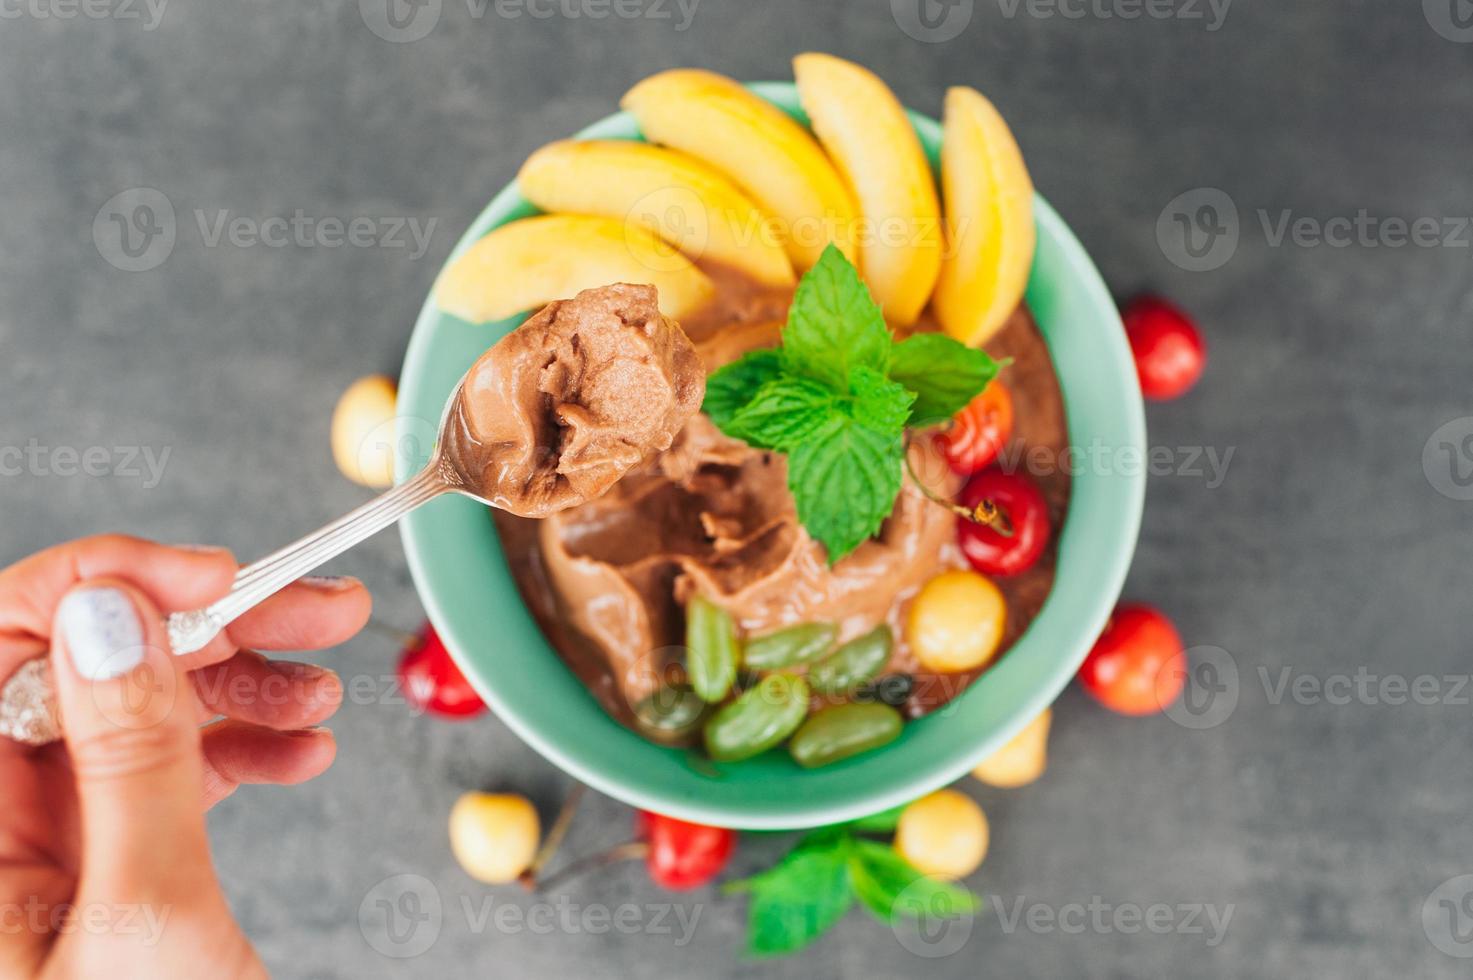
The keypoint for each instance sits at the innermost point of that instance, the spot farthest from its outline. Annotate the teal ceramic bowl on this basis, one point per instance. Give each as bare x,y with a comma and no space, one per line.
472,600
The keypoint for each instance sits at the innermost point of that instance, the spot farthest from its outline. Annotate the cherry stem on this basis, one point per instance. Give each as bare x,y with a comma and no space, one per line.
555,836
987,512
627,851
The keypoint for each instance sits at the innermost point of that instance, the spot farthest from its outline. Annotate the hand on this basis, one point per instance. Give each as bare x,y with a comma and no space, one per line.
104,862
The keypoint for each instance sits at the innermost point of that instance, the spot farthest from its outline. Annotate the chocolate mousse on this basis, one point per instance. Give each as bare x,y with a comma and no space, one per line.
561,408
609,580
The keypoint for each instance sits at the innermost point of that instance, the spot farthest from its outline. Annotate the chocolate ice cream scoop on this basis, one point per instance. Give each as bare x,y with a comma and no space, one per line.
562,407
548,418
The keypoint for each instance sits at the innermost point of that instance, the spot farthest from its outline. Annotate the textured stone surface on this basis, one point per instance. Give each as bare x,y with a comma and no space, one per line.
1324,550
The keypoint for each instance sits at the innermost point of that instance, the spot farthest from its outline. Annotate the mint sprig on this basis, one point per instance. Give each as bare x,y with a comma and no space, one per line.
837,397
819,880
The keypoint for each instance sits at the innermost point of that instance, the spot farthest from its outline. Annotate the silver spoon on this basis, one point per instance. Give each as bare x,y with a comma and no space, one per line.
28,700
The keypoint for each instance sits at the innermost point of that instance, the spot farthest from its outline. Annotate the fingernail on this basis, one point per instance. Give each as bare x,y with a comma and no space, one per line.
297,669
201,549
305,732
329,583
102,631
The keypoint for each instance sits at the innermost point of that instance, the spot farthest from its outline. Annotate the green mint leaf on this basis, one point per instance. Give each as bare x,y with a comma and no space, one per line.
890,887
834,324
783,413
844,481
878,403
883,822
731,387
944,374
797,901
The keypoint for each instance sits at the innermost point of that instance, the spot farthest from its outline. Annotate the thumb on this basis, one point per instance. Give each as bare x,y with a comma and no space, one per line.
129,717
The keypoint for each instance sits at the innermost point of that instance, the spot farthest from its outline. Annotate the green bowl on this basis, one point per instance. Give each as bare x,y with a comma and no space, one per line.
459,569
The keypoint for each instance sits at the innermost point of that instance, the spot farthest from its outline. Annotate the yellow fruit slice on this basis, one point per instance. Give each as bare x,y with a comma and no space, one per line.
865,130
756,144
674,195
989,219
530,263
1022,760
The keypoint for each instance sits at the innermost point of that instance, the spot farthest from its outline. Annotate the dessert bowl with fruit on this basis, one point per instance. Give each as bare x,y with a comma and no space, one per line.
877,552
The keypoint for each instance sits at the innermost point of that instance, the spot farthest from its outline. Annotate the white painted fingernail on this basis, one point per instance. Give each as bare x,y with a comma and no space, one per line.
103,634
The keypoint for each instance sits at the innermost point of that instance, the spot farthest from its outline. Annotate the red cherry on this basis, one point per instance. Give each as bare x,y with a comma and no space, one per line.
1137,666
979,431
1169,352
433,683
990,551
681,854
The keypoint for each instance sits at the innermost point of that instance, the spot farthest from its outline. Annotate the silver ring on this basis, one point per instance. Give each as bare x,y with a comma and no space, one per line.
28,705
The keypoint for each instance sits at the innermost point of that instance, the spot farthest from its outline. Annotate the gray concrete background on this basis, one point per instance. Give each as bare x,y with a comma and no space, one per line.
1328,548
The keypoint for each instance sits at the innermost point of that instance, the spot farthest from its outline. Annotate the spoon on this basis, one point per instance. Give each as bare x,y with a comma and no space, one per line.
27,703
632,343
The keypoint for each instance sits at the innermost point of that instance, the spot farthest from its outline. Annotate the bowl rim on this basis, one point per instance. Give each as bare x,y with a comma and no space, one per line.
509,205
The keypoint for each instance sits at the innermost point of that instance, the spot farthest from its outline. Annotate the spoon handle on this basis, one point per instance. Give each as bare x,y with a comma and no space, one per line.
190,631
27,702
